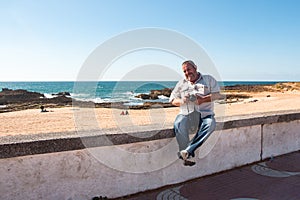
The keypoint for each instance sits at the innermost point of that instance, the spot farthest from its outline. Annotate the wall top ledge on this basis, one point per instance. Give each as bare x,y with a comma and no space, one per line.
22,145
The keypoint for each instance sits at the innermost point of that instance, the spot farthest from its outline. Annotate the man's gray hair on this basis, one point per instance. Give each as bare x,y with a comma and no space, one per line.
189,62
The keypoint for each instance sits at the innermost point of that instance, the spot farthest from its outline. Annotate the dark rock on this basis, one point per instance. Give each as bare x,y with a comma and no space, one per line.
248,88
143,96
153,96
166,92
6,89
155,93
237,96
62,94
8,96
22,99
23,96
60,100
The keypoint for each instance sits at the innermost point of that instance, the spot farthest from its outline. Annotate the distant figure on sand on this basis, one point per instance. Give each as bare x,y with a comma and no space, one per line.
124,113
43,109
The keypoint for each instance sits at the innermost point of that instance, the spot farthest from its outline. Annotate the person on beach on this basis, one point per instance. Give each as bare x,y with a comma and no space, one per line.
195,95
43,109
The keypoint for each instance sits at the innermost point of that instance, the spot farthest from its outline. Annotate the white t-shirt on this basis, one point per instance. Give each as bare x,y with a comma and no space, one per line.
205,85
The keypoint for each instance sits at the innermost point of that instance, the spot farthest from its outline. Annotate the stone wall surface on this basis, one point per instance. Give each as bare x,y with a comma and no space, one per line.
66,169
280,138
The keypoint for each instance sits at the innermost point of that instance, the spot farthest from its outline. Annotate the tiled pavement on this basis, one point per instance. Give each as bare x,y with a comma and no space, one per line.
273,179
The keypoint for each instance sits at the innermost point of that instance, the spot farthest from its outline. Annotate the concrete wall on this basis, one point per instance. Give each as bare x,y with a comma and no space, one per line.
280,138
60,167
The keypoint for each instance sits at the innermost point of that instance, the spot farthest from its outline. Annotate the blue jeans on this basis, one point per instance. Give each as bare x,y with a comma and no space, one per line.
193,123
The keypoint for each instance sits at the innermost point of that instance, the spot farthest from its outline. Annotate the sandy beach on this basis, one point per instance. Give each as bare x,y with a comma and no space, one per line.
70,119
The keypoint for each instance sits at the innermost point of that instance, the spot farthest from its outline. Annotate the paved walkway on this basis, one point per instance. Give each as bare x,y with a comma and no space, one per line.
277,178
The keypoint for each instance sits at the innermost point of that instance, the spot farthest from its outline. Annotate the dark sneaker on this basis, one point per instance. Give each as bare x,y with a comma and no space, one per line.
189,162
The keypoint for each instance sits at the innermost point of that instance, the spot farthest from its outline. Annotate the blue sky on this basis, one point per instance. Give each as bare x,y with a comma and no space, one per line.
246,39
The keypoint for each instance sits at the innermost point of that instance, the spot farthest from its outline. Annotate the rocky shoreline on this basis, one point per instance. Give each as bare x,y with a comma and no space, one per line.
14,100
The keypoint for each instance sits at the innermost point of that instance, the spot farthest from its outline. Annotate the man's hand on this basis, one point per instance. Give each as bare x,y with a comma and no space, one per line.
202,99
183,100
209,98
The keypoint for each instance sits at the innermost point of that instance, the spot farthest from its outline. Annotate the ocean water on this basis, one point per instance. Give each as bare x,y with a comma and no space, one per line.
108,91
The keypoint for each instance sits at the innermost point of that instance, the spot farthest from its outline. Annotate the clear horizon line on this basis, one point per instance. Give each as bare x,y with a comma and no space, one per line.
113,80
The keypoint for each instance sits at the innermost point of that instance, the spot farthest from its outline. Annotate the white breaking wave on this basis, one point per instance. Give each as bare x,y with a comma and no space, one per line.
79,94
49,96
162,97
